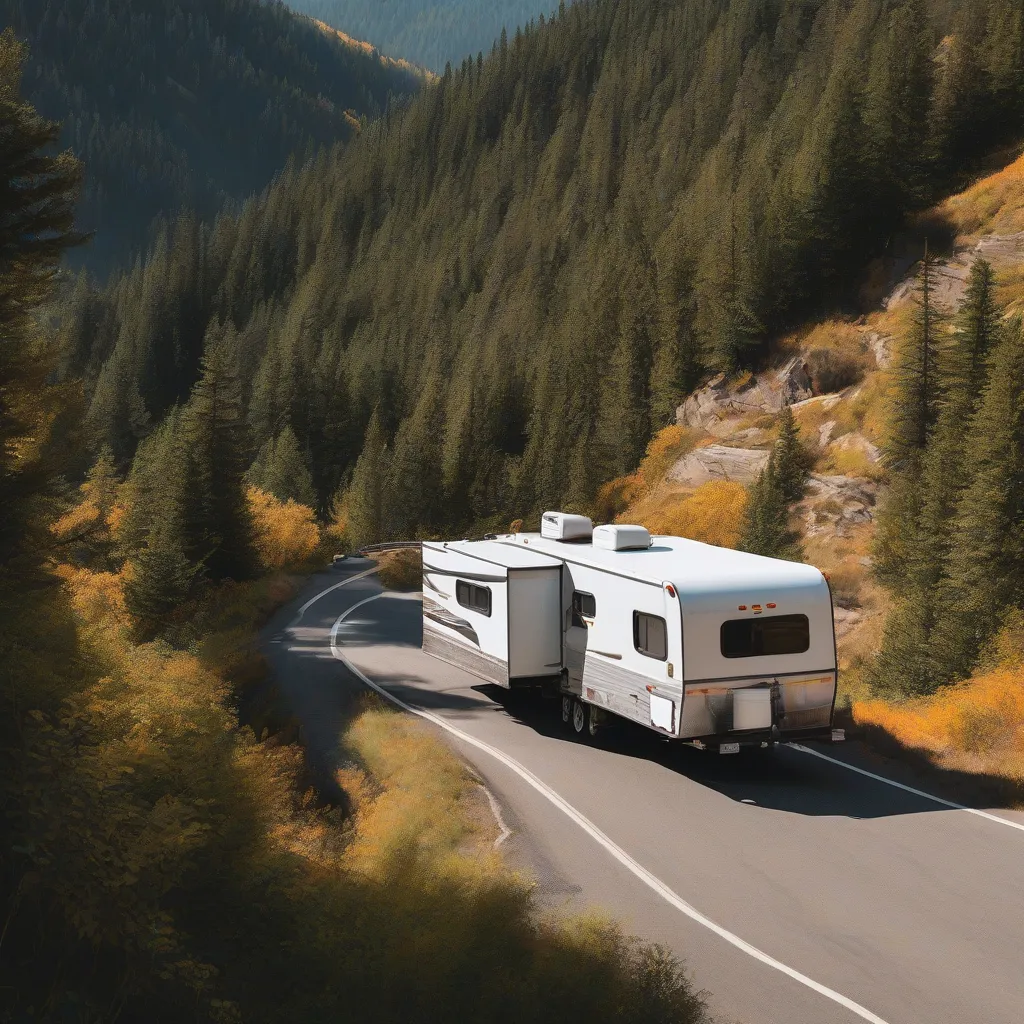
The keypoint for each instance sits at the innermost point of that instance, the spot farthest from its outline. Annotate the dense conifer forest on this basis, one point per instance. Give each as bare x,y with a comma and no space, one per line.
186,104
159,860
487,304
428,32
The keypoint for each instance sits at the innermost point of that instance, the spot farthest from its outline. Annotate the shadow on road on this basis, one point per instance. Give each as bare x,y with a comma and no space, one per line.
782,779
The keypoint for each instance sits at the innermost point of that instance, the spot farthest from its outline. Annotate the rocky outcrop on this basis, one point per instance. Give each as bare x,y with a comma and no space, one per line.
837,504
881,348
718,462
950,281
855,442
717,405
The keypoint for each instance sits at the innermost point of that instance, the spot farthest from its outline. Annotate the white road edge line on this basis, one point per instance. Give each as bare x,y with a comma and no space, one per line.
505,831
908,789
645,876
313,600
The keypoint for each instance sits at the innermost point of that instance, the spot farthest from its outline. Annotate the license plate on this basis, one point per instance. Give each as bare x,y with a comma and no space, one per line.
729,748
838,735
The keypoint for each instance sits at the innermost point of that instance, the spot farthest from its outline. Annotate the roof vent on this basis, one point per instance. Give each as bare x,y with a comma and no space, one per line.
621,538
562,526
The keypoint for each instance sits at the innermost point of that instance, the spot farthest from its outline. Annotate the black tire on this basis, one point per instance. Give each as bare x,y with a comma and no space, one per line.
580,718
566,710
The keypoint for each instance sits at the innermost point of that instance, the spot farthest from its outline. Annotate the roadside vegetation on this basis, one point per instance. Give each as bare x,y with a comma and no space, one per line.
927,586
401,569
160,860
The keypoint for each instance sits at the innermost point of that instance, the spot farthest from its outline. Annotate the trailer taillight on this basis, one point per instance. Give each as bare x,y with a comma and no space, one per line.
670,590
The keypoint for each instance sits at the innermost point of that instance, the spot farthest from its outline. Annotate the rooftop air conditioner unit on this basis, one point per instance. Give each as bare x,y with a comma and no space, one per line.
562,526
621,538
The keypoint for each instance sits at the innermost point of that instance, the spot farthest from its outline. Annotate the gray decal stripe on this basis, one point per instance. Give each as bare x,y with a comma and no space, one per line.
477,576
763,677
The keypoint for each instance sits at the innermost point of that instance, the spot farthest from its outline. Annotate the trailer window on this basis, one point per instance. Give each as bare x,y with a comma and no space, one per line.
650,636
775,634
584,606
477,599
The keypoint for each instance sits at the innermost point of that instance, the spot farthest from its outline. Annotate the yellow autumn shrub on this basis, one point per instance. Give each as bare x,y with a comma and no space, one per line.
713,513
286,532
976,725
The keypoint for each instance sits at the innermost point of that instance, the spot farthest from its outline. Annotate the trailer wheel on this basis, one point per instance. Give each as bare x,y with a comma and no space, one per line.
566,710
580,717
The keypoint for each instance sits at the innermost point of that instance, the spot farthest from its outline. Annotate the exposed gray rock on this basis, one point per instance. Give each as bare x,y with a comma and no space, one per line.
845,619
950,282
881,347
825,432
835,504
718,462
768,392
856,442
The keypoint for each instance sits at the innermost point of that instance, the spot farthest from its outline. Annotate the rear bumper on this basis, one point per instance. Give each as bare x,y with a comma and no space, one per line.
759,736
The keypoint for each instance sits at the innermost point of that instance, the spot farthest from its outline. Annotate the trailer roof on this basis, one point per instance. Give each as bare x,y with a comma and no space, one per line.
691,567
511,556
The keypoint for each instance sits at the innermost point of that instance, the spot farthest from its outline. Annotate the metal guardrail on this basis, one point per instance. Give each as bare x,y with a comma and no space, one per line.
394,545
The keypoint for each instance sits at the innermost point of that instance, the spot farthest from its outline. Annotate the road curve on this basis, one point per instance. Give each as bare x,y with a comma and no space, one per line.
881,904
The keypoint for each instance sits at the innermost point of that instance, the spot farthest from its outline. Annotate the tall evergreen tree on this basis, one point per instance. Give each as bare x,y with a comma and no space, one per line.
370,490
37,200
280,469
914,394
766,529
914,398
907,662
218,522
986,566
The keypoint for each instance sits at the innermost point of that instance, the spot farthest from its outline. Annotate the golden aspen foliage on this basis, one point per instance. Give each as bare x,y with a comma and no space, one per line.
286,532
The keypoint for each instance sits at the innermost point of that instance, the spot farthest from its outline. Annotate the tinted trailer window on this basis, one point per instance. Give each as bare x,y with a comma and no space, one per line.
773,634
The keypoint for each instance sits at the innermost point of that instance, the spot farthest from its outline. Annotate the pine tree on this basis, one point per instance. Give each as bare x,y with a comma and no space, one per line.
766,529
986,566
37,196
369,492
963,371
792,460
159,580
218,522
914,395
280,469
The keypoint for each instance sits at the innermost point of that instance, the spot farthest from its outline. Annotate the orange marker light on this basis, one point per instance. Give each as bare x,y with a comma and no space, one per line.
670,590
771,604
742,607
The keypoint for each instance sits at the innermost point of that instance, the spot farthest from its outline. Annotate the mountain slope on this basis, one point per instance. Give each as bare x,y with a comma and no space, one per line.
179,104
429,32
695,476
526,270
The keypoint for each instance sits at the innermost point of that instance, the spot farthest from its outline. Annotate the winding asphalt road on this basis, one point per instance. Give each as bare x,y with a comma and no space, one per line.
797,890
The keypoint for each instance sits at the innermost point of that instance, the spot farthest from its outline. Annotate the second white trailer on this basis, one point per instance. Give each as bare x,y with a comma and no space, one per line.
495,610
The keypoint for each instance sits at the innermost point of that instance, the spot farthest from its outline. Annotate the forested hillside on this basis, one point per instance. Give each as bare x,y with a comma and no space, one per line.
185,104
161,860
487,304
429,32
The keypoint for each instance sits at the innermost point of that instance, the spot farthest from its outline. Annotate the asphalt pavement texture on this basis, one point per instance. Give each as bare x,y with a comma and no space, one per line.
893,907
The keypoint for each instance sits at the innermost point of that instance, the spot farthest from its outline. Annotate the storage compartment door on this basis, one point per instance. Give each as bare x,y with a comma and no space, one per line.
534,623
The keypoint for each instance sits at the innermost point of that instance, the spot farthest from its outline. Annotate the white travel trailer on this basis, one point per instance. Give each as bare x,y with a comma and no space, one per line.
704,644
